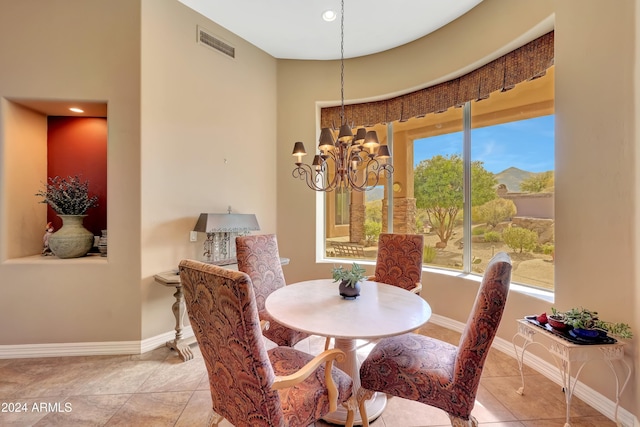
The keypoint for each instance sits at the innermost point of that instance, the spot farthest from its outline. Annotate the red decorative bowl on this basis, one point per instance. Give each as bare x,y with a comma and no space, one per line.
557,324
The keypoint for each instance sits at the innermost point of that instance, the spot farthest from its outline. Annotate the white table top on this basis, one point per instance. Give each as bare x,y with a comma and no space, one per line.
316,307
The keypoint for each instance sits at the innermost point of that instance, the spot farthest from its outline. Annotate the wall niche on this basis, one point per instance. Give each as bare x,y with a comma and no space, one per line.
44,139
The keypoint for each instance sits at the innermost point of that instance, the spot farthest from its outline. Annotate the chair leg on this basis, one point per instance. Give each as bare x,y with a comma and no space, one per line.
214,419
363,395
351,406
460,422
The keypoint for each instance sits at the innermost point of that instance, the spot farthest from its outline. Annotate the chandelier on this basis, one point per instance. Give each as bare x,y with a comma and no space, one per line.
347,162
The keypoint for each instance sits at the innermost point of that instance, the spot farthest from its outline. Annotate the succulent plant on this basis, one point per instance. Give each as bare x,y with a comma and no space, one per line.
350,276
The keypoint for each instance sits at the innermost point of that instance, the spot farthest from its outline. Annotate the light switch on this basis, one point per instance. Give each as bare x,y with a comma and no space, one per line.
193,236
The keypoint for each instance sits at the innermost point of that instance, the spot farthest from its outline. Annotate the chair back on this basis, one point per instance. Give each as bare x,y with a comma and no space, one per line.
258,256
223,313
399,261
482,324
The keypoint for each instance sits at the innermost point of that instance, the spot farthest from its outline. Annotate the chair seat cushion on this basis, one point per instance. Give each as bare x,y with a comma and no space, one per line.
307,401
415,367
279,334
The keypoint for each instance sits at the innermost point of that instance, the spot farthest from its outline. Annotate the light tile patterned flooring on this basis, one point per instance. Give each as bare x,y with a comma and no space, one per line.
158,389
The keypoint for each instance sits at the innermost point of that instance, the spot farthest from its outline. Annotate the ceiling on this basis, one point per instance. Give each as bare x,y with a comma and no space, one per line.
294,29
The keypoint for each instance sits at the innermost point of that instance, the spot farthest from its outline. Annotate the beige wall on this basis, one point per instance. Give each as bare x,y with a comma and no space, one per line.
84,50
596,137
184,138
208,142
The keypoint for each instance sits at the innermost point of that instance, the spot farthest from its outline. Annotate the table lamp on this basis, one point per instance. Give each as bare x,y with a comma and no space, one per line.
220,247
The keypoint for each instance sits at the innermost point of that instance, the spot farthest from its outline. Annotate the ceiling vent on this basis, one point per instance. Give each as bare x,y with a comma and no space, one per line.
207,39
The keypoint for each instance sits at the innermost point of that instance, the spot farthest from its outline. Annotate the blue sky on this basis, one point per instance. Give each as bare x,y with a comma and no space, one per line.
525,144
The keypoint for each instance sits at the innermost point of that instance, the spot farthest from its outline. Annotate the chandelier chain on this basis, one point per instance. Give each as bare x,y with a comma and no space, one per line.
354,164
342,115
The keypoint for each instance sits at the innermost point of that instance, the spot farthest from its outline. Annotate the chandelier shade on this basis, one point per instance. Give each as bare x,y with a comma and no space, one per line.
345,161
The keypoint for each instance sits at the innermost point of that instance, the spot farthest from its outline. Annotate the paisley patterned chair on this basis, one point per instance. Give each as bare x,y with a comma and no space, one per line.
258,256
399,261
437,373
251,386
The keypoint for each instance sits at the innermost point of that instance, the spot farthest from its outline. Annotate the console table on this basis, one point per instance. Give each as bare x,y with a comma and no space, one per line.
565,353
172,279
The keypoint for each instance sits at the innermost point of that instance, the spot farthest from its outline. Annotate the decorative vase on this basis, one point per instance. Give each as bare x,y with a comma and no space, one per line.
72,240
348,292
102,243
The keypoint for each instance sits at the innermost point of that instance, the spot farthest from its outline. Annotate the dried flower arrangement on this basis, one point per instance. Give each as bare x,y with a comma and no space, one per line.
68,196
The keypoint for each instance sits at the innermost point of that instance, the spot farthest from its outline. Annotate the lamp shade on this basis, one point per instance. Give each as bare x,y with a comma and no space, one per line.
371,139
383,152
345,134
224,222
299,151
326,141
360,134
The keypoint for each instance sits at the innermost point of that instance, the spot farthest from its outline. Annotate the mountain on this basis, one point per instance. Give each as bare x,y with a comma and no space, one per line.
375,194
512,177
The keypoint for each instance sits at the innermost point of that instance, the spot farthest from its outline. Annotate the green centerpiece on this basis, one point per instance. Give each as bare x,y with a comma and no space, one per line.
69,198
349,280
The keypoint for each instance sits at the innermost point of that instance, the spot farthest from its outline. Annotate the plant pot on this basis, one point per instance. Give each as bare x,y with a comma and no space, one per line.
587,334
72,240
348,292
556,323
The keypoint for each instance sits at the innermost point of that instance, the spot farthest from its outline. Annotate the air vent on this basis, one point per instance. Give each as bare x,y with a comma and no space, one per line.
207,39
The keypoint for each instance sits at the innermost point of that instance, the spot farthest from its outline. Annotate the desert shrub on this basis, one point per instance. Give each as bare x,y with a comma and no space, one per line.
428,254
372,230
478,231
495,211
521,239
548,248
491,236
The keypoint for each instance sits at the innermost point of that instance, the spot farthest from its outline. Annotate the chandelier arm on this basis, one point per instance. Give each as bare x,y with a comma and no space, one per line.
311,177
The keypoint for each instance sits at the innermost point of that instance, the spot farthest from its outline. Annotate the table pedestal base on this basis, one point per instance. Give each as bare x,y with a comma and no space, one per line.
375,406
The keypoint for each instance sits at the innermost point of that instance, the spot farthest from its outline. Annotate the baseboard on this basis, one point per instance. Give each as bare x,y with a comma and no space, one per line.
22,351
162,339
591,397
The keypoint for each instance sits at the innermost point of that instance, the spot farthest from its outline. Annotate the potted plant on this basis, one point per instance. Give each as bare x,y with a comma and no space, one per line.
69,198
583,320
349,280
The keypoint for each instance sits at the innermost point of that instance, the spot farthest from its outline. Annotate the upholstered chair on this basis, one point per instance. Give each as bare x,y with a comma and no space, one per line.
437,373
399,261
251,386
258,256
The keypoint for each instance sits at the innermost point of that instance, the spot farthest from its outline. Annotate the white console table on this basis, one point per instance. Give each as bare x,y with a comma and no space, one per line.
172,279
565,353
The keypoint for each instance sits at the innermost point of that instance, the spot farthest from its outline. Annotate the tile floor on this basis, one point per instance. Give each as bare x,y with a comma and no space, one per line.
158,389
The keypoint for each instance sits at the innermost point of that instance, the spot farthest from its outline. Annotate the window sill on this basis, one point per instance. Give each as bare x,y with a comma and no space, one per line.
541,294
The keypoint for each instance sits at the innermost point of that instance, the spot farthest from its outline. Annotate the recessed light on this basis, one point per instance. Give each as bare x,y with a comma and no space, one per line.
329,15
76,110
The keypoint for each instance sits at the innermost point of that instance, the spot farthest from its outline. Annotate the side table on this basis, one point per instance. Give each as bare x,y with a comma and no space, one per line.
172,279
565,352
179,344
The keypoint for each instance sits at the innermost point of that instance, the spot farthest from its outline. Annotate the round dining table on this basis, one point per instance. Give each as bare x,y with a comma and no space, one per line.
381,310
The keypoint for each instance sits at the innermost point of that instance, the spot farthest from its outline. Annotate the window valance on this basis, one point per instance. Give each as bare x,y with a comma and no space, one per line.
524,63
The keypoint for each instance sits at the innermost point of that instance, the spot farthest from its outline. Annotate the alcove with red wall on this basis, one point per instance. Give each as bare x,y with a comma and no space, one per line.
78,146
